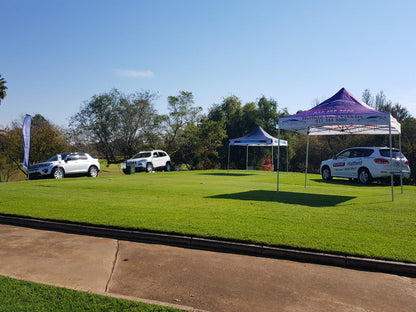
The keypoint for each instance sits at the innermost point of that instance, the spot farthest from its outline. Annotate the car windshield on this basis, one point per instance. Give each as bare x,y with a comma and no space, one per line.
54,158
142,155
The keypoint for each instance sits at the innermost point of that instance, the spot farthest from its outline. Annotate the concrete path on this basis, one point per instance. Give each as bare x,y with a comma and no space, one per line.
195,278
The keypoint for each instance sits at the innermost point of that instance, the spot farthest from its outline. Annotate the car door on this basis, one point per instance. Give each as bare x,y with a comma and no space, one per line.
83,163
163,157
71,164
156,160
339,164
354,162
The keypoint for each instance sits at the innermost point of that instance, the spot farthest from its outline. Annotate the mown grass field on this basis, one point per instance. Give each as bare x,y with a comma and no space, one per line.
19,296
338,217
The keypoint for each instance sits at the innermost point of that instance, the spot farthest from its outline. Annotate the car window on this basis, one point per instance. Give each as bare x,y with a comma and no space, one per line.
367,152
161,154
344,155
71,157
93,156
155,154
83,157
361,152
354,153
386,153
142,155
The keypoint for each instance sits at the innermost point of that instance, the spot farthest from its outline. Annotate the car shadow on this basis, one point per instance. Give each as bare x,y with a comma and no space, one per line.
351,183
224,174
294,198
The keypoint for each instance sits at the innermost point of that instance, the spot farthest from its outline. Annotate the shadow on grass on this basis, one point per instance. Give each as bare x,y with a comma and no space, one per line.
305,199
224,174
353,183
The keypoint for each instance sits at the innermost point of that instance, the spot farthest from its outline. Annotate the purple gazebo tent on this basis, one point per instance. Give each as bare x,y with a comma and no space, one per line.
258,137
341,114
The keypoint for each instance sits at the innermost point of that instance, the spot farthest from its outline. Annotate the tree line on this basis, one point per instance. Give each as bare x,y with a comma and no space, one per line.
115,126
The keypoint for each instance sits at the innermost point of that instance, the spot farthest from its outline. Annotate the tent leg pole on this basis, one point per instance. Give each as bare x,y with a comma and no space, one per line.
228,163
272,158
247,158
278,156
401,171
287,158
391,162
307,151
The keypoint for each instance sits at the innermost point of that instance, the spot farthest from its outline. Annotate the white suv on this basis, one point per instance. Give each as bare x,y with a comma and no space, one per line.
149,161
365,164
66,164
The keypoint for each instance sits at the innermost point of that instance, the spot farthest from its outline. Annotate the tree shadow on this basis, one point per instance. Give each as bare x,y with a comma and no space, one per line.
294,198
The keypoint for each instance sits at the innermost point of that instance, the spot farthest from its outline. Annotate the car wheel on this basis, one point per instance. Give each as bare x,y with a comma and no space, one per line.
93,172
326,173
364,176
168,167
149,167
58,173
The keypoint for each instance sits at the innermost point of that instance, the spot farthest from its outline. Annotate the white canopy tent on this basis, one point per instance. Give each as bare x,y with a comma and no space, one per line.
341,114
258,137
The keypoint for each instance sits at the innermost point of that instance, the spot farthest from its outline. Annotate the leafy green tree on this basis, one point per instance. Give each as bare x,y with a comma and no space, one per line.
115,123
3,89
269,114
200,145
182,113
98,121
230,113
137,122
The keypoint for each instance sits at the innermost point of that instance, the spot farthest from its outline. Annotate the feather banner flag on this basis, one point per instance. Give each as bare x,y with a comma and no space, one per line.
26,140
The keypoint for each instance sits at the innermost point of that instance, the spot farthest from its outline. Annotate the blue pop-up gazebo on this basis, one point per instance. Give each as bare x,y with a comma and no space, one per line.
258,137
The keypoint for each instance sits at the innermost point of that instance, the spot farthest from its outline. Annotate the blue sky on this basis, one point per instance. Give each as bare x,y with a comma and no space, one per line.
55,55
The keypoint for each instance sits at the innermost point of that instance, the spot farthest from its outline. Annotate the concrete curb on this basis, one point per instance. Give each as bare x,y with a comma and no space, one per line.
400,268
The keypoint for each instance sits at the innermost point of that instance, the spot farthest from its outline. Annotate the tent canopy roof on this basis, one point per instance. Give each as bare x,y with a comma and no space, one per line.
341,114
258,137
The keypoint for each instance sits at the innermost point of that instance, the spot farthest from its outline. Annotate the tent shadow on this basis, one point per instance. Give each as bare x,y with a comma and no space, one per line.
294,198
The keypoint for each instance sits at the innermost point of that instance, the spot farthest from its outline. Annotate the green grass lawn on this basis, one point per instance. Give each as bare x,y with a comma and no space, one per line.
338,217
19,296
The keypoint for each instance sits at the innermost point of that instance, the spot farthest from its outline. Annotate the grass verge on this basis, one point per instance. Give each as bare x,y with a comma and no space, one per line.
19,296
337,217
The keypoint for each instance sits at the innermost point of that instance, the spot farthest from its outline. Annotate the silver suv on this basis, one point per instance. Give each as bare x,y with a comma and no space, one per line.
365,164
149,161
66,164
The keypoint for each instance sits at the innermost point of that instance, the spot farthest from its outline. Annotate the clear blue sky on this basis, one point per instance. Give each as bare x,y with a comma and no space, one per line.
55,55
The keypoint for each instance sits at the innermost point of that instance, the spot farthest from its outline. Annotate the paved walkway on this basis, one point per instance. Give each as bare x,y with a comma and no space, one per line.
195,278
